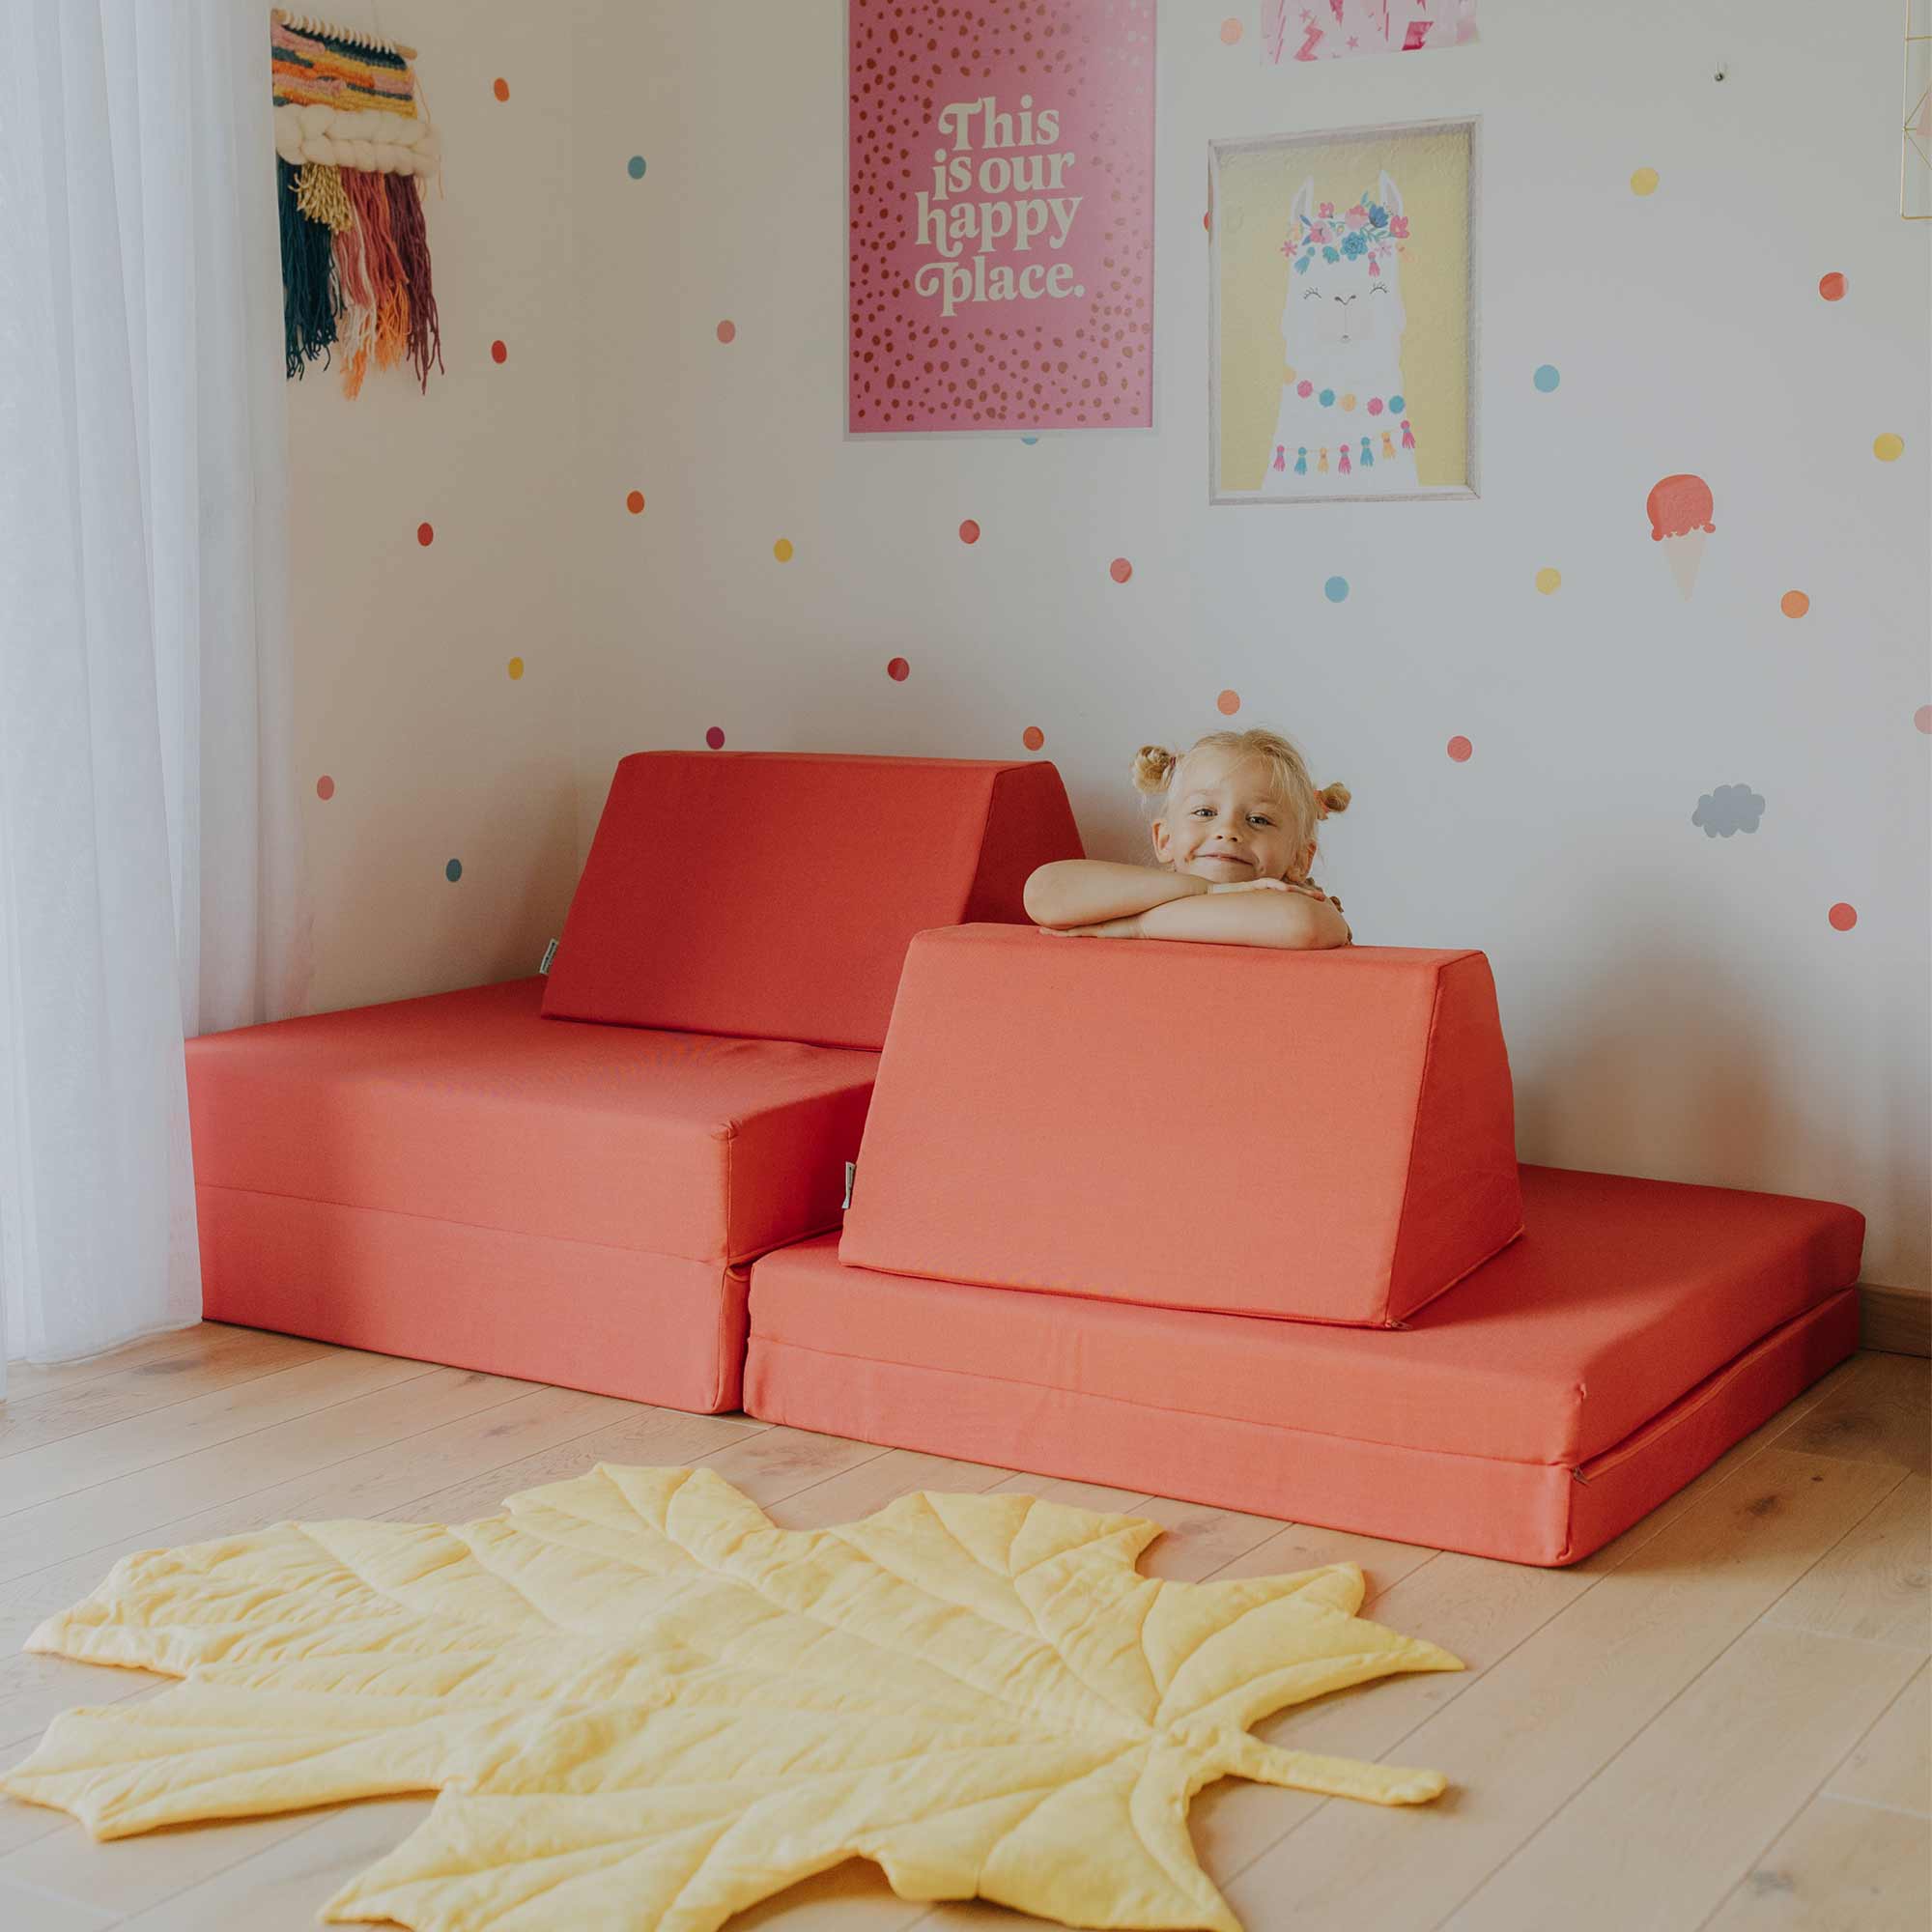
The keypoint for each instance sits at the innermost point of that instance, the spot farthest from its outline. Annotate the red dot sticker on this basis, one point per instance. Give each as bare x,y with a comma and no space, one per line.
1831,287
898,671
715,738
1032,737
1794,603
635,503
425,535
499,353
1119,570
1460,749
324,787
1843,917
1923,718
500,89
968,531
1231,31
1228,704
727,332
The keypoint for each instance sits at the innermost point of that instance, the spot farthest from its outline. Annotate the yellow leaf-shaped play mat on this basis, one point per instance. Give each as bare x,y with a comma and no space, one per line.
646,1707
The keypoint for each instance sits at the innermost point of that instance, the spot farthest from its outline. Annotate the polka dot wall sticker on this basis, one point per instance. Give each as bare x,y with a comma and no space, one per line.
1029,440
1119,570
453,871
715,738
1888,447
727,332
500,352
968,531
425,534
1548,580
324,787
1228,704
1460,749
1843,917
514,668
1794,603
1923,718
1231,32
635,503
1833,286
634,167
1336,590
500,88
1032,737
1546,377
1644,182
782,551
898,671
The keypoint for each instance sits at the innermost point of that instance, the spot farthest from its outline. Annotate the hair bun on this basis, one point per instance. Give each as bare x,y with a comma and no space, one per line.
1332,798
1153,766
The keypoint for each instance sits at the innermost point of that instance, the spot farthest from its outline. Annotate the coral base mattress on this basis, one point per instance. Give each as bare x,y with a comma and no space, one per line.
1565,1389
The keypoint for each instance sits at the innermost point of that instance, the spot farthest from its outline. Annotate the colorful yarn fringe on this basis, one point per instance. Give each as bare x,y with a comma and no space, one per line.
314,70
356,263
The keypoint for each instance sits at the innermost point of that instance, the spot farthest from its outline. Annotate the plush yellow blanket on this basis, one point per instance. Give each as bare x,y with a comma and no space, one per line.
645,1706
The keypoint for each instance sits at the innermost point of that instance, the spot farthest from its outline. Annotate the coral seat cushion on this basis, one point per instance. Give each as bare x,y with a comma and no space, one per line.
1325,1136
1621,1294
468,1108
772,894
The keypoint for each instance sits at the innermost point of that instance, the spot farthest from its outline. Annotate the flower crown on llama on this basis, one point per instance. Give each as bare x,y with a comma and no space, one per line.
1366,229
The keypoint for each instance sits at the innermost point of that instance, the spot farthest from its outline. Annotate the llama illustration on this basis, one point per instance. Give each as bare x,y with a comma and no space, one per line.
1341,330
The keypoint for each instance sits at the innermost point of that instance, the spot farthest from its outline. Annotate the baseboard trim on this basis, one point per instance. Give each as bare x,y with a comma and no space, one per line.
1895,1320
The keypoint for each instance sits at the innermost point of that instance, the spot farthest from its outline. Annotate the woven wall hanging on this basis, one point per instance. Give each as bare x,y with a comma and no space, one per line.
352,147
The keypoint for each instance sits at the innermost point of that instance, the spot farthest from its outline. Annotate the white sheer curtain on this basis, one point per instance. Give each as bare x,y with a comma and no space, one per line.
150,858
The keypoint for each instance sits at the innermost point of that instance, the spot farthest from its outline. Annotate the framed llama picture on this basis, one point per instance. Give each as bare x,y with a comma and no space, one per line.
1343,342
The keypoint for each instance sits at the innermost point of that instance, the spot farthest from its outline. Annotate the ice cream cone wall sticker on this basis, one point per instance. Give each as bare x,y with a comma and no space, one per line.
1680,520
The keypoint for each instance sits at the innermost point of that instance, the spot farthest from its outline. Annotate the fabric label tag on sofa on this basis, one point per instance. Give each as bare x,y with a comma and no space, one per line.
851,1170
550,953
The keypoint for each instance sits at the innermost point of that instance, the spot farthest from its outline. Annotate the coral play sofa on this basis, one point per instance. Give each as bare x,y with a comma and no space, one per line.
1247,1227
566,1178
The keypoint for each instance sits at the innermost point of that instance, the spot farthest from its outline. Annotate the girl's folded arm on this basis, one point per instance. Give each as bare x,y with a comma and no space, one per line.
1294,920
1085,891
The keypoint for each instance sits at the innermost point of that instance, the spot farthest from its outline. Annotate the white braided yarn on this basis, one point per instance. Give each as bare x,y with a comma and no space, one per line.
358,137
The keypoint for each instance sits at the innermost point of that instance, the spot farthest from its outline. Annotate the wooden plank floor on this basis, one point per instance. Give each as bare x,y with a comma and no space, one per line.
1720,1721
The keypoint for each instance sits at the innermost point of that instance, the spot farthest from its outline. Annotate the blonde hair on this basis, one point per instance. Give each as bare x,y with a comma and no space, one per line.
1157,771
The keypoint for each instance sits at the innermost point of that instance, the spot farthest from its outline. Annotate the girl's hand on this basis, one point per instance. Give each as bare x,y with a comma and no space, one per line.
1312,891
1128,928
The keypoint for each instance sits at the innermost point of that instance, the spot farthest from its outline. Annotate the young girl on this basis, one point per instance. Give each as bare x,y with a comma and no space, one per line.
1235,837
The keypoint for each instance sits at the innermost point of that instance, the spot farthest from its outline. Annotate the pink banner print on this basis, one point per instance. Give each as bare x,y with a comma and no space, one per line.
1000,237
1317,30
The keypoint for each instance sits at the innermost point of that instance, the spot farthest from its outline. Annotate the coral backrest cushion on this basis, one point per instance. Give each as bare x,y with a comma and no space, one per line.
772,894
1327,1136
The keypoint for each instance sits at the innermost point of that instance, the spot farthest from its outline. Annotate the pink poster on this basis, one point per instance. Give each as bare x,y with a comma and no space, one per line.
999,246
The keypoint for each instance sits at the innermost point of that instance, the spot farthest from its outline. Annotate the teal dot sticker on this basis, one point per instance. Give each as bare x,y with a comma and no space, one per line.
637,167
1397,404
1029,440
1546,377
453,871
1335,589
1327,396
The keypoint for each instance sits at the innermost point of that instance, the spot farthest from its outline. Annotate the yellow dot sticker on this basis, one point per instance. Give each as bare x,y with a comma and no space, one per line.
516,667
1888,449
782,550
1644,182
1547,580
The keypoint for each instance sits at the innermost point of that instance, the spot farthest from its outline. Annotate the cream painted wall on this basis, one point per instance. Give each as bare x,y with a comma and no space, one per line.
403,694
1676,1005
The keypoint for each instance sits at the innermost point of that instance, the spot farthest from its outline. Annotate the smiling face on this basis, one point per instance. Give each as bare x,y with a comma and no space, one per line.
1345,317
1223,823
